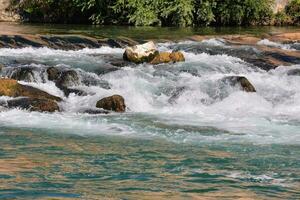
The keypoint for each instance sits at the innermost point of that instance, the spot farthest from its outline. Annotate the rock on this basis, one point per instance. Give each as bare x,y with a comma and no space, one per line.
23,74
94,111
53,73
120,42
11,88
141,53
240,80
166,57
34,104
177,57
68,78
115,103
1,67
68,91
293,72
163,57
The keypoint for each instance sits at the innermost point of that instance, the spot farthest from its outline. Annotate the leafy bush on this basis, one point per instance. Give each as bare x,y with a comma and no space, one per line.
281,18
159,12
54,11
293,10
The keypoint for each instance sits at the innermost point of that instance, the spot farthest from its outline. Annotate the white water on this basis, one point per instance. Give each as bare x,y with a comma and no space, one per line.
272,115
269,43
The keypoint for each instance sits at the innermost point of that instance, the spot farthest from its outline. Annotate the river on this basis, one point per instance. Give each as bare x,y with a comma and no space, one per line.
185,135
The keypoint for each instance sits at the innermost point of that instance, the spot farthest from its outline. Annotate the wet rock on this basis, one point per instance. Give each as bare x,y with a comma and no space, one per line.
114,103
23,74
34,104
53,73
166,57
177,57
242,81
68,91
285,37
69,42
68,78
293,72
141,53
11,88
1,67
94,111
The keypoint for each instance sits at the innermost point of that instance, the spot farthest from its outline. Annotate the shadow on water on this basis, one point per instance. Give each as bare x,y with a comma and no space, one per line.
136,32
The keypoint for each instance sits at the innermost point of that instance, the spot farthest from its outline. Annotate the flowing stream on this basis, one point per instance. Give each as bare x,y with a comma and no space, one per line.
185,133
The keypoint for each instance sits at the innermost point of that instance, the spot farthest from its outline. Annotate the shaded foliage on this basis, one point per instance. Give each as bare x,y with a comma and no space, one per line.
158,12
293,10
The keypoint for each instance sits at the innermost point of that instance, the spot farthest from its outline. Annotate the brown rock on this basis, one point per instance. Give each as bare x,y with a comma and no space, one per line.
285,37
34,104
163,57
177,57
11,88
115,103
242,81
166,57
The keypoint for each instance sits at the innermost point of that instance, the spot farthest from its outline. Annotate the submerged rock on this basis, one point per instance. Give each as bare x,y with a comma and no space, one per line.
11,88
114,103
141,53
176,94
166,57
293,72
34,104
240,80
94,111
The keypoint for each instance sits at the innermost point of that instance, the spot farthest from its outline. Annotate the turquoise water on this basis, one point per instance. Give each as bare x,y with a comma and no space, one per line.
47,164
185,135
42,164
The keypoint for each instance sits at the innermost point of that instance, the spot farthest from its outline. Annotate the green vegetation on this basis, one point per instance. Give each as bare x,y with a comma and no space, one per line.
159,12
293,10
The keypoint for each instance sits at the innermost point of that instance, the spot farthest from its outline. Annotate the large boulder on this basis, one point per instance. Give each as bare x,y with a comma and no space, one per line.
141,53
114,103
34,104
166,57
11,88
242,81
